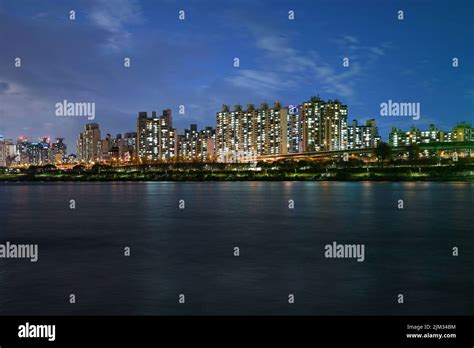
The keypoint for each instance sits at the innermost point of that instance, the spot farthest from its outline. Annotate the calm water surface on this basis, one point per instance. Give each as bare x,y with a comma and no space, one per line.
190,251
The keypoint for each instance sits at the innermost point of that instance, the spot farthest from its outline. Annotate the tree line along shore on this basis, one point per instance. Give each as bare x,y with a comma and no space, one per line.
351,170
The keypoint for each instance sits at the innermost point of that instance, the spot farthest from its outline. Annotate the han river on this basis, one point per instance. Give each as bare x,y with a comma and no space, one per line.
191,251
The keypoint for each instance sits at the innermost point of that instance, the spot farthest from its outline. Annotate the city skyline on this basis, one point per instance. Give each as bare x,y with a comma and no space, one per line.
239,134
298,106
185,63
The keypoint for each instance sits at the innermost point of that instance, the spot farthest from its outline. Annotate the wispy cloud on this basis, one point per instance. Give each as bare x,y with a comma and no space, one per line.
351,39
354,49
259,80
115,17
284,64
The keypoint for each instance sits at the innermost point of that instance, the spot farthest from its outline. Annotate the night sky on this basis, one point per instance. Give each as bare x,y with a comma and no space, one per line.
190,62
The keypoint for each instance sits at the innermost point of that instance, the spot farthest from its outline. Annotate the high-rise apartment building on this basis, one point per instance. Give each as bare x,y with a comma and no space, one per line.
8,153
156,137
294,141
58,152
196,145
244,134
88,144
105,148
206,144
128,147
187,147
324,125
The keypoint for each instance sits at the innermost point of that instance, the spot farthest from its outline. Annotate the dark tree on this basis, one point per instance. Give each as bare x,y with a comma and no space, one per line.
383,151
413,153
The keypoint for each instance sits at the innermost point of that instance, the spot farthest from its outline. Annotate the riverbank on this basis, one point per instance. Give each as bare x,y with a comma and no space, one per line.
432,173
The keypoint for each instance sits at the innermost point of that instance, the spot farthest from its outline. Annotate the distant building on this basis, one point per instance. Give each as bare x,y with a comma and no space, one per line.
10,153
59,152
272,130
34,154
398,138
128,147
432,135
235,135
206,144
30,153
22,145
187,144
362,136
156,137
294,142
461,132
324,125
196,145
244,134
413,135
88,144
105,149
45,151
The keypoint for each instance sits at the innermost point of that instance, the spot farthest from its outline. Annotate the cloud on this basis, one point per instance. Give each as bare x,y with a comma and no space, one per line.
258,80
284,65
40,15
351,39
353,49
115,17
19,102
377,51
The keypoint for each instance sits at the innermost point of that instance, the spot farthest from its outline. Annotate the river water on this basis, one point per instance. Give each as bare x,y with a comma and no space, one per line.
191,251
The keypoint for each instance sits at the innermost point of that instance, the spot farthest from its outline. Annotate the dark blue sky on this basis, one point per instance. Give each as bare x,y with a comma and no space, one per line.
190,62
